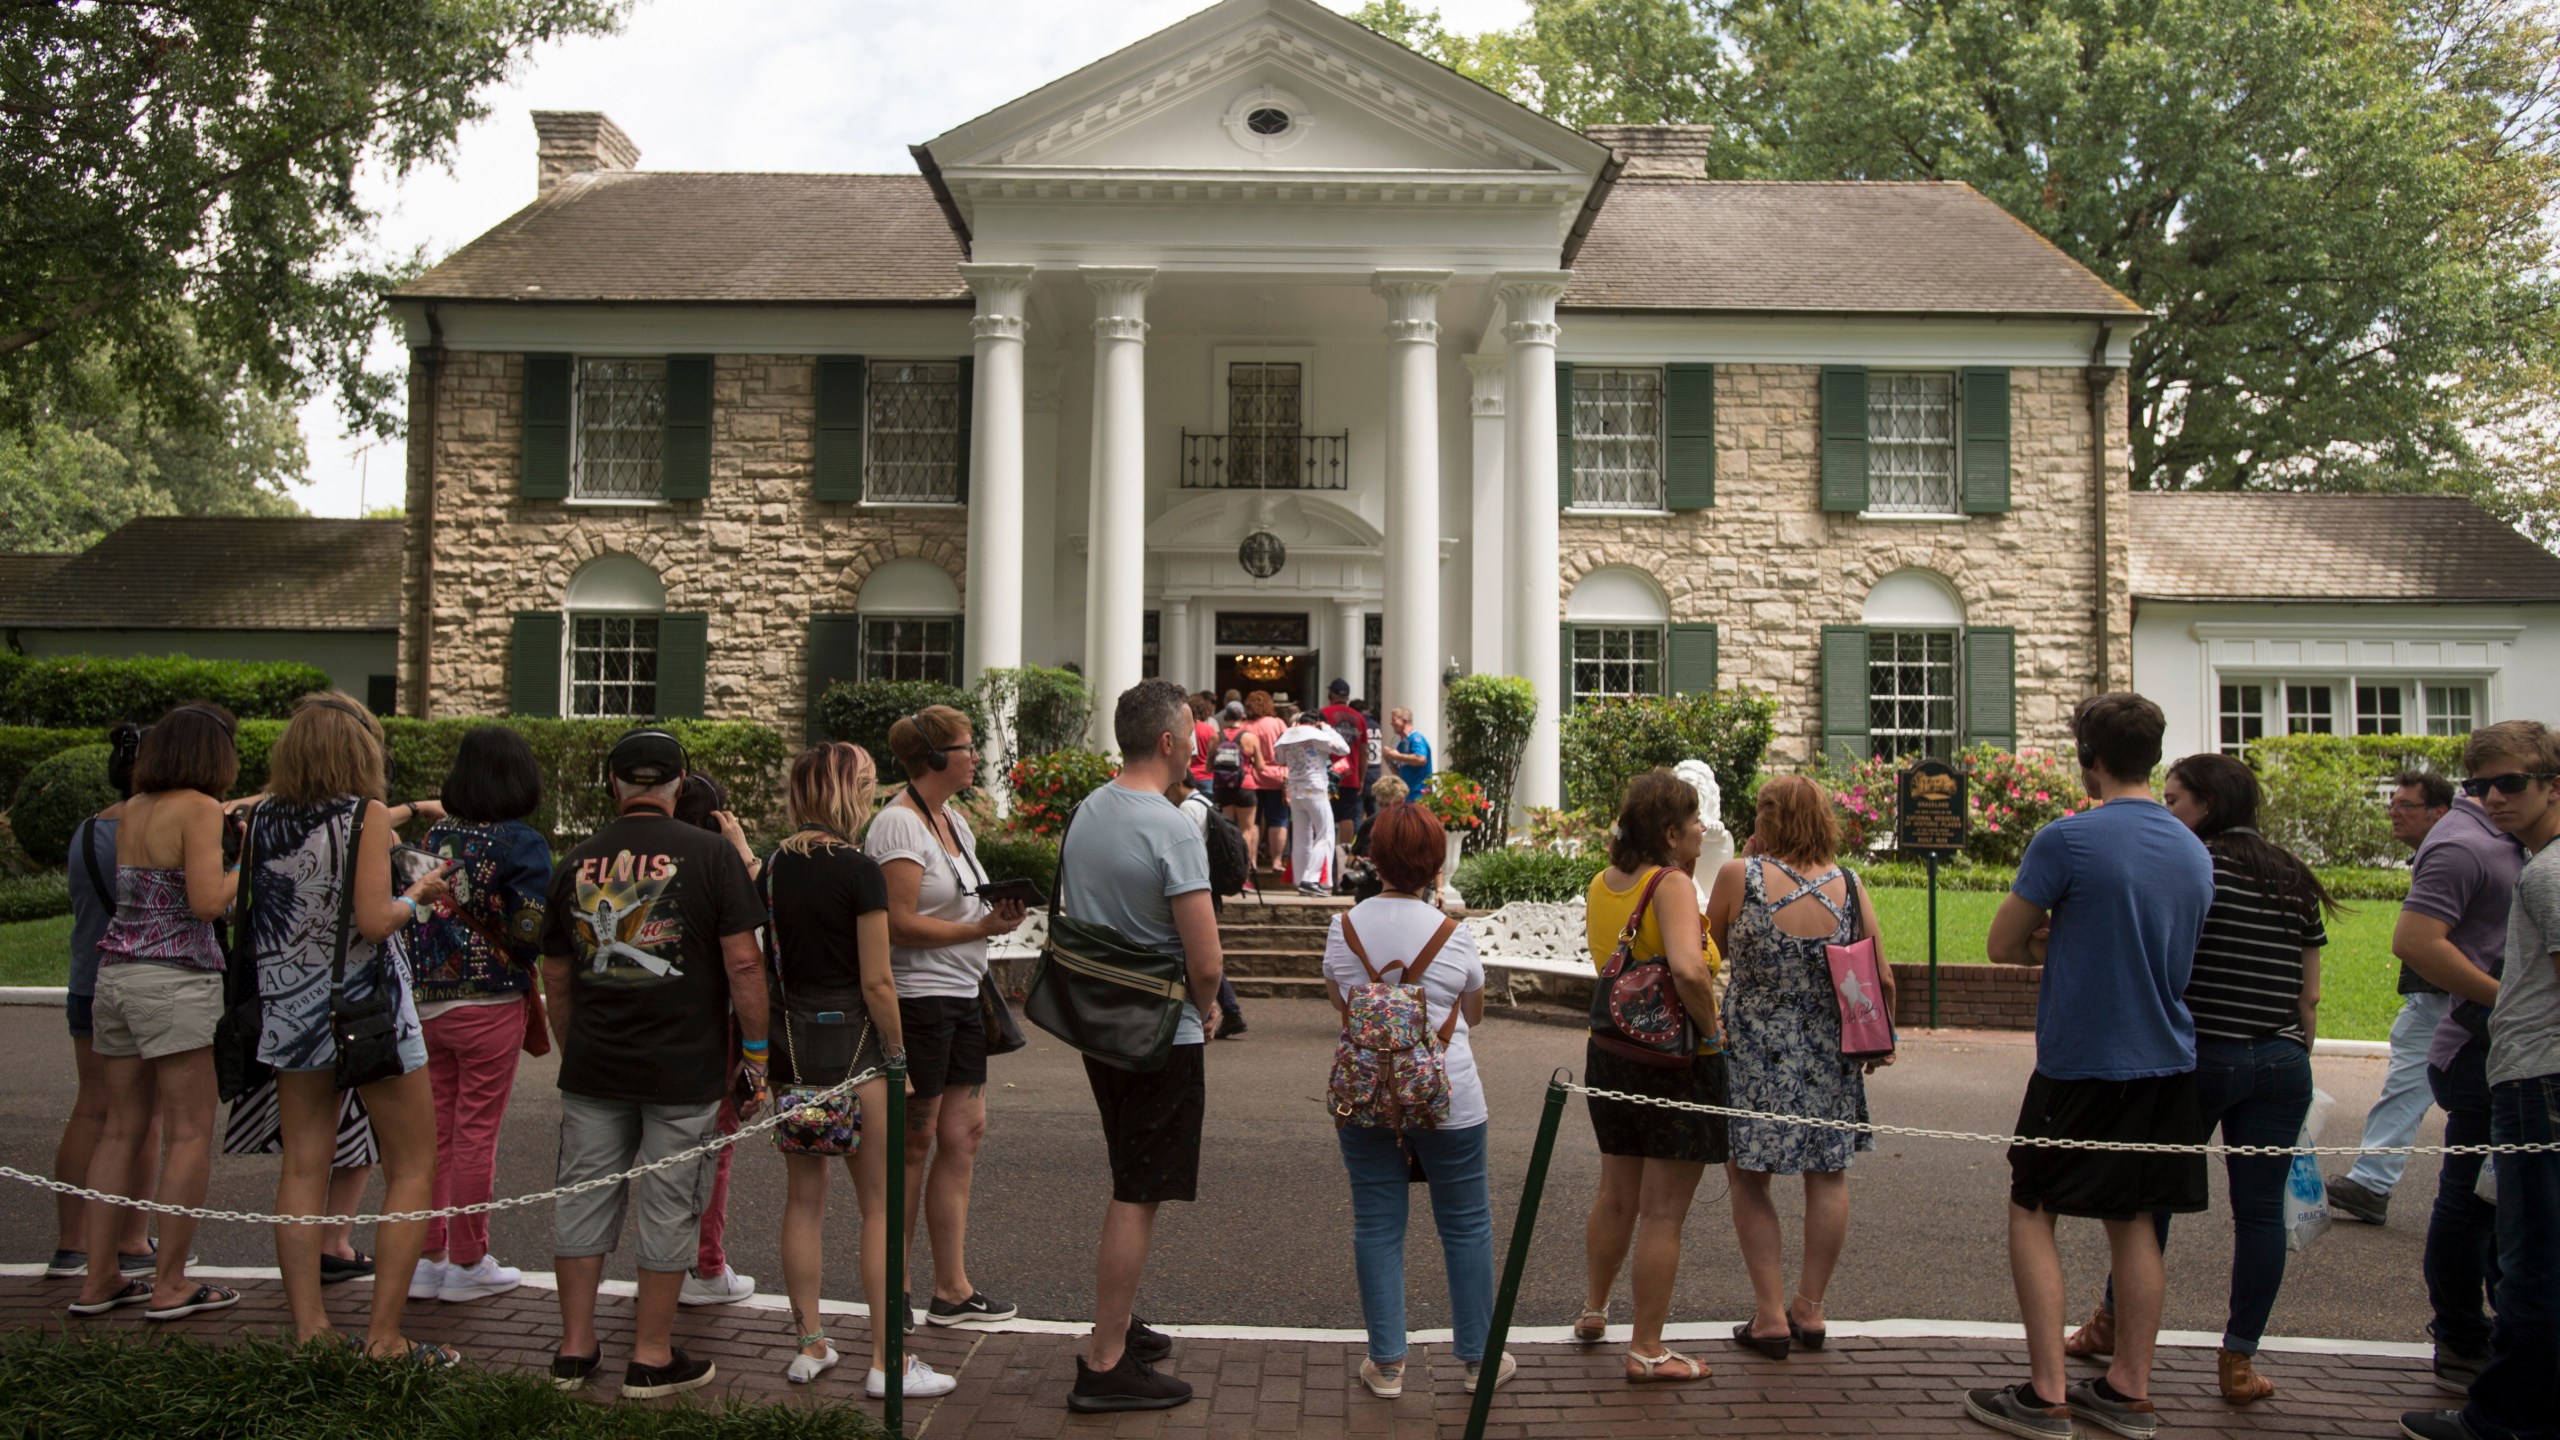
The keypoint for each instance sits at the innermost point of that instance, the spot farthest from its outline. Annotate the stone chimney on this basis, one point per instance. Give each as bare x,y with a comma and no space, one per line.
578,142
1658,151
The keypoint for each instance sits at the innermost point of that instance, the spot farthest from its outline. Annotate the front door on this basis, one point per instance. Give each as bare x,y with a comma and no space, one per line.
1267,651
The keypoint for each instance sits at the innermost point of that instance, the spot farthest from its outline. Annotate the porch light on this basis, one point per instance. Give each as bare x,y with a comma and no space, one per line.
1262,554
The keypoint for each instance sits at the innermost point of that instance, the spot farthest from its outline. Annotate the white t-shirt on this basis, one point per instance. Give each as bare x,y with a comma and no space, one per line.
1393,928
899,832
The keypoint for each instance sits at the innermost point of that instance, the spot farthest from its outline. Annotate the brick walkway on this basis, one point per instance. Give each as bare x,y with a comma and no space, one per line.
1014,1383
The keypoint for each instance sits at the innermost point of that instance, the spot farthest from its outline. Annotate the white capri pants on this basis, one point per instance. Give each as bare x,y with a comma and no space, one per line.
1311,838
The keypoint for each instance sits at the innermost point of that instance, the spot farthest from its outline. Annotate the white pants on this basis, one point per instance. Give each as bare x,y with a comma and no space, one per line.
1311,838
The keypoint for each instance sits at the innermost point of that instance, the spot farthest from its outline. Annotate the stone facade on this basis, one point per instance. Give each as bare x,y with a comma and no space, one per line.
760,556
1769,567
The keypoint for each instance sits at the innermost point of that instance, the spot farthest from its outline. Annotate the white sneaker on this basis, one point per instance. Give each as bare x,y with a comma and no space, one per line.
478,1281
726,1288
922,1382
427,1281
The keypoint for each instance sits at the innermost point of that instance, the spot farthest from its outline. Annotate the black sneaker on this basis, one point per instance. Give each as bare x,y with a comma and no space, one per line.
2133,1419
572,1372
2436,1425
2356,1202
679,1374
1132,1384
1147,1342
978,1309
2013,1409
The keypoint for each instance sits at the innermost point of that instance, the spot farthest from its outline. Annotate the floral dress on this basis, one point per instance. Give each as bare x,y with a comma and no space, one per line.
1782,1031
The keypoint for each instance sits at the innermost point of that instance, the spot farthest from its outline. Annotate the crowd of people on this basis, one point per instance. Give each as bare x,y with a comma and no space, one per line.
383,994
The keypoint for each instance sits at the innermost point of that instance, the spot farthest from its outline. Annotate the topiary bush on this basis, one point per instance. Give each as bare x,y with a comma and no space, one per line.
1606,742
21,746
1488,718
2325,793
1050,708
60,792
1492,879
89,690
863,710
1047,787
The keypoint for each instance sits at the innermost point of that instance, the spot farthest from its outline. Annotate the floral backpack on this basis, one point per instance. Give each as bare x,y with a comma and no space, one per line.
1391,1070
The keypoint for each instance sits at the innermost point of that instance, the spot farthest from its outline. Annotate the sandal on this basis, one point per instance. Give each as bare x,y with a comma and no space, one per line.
334,1269
2241,1383
135,1292
1775,1347
1648,1371
1808,1336
207,1297
425,1354
1591,1327
2096,1338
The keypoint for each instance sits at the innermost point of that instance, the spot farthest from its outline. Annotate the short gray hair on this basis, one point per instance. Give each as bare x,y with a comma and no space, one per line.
1148,711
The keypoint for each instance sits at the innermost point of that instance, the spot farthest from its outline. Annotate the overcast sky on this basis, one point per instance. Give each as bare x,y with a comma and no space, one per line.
842,85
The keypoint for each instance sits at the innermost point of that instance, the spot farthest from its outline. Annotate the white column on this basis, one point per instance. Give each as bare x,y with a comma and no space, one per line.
1489,628
1115,596
1529,480
1410,659
1173,646
1346,656
994,632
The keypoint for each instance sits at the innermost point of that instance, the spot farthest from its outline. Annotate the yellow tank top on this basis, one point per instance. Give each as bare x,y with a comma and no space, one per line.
1606,911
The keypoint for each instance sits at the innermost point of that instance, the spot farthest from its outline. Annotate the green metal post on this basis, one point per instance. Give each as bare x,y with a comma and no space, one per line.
893,1344
1522,1224
1933,939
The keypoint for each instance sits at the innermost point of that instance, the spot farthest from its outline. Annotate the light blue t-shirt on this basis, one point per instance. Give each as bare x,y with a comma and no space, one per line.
1415,777
1129,854
2127,887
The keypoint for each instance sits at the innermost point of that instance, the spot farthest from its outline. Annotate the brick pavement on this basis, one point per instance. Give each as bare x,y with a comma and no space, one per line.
1014,1383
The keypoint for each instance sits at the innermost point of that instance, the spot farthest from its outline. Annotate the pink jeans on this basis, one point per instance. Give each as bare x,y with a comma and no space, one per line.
471,1066
711,1259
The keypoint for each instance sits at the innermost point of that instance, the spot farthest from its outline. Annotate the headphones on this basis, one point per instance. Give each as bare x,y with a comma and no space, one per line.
933,759
217,716
390,763
2087,757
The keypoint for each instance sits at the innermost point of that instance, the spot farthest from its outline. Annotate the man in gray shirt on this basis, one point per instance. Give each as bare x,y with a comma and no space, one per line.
2517,1395
1133,862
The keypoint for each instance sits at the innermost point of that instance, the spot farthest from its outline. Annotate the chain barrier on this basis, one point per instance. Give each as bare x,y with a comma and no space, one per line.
485,1207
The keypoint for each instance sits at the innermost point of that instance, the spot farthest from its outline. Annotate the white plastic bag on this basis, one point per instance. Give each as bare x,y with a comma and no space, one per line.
2306,1196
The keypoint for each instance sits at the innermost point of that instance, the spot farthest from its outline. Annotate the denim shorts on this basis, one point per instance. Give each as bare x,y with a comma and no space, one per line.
79,1010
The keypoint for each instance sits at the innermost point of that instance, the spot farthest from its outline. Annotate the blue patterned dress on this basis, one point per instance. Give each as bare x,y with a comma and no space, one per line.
301,853
1782,1032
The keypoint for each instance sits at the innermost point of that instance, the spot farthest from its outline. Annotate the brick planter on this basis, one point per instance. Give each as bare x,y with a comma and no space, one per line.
1970,997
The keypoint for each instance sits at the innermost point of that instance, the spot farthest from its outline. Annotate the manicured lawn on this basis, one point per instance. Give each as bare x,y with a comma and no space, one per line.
36,952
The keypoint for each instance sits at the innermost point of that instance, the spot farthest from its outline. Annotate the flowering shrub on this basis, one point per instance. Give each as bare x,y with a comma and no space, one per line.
1568,832
2012,795
1046,787
1461,803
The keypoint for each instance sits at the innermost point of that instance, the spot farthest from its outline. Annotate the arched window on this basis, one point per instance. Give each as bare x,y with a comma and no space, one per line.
910,614
1914,678
615,608
1620,642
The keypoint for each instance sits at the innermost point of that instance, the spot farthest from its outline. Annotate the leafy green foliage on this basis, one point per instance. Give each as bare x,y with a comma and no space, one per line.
35,897
1489,717
21,746
1492,879
88,690
1020,855
60,792
2325,793
1607,742
1050,710
2011,795
1046,788
863,710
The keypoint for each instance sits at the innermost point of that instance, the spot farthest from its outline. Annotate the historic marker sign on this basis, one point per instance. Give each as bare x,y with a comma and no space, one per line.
1929,816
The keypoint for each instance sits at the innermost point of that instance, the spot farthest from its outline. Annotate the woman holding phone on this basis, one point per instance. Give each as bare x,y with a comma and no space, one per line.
939,926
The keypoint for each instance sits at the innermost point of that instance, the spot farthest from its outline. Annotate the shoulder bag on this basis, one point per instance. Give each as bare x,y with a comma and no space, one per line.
1636,1012
236,1067
995,1017
366,1031
1116,1001
1857,982
807,1120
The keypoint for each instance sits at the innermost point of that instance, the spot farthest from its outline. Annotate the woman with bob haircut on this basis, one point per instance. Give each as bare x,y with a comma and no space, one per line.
159,996
476,961
830,952
323,821
1650,1157
1782,1043
1392,931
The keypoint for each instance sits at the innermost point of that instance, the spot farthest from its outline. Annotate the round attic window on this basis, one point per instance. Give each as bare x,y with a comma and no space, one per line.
1267,120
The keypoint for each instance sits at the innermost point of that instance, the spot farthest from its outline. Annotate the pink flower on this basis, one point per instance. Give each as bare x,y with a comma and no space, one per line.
2041,796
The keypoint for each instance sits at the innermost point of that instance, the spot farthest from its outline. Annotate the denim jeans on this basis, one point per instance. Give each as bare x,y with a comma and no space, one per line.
1455,1162
2405,1097
2518,1396
2461,1258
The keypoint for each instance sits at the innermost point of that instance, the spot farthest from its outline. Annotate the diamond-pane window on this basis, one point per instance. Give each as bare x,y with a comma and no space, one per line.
613,665
1911,444
1612,662
908,648
622,427
912,455
1617,439
1911,692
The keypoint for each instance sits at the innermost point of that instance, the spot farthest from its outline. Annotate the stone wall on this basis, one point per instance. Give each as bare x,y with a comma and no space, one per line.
760,556
1770,567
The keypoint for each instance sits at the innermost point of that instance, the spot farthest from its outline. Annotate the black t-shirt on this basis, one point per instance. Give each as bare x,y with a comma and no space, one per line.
817,898
639,910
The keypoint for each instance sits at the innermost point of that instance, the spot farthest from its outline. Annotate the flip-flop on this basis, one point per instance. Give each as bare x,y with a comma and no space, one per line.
430,1355
207,1297
335,1268
135,1292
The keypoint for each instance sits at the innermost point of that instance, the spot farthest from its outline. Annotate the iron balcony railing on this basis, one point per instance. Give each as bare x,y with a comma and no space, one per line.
1265,461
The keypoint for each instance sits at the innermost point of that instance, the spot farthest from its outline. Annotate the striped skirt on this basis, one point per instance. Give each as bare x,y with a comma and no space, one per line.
257,1128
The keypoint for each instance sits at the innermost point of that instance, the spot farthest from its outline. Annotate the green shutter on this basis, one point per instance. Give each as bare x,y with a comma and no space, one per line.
835,653
1689,460
1564,697
1845,733
1986,442
1692,670
543,469
684,664
1564,442
960,653
1991,687
837,463
533,664
684,463
968,412
1844,437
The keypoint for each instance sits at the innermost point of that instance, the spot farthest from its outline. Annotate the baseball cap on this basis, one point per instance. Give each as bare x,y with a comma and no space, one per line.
1339,687
646,757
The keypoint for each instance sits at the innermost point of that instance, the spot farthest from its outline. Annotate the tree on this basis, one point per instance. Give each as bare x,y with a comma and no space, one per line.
2336,208
197,159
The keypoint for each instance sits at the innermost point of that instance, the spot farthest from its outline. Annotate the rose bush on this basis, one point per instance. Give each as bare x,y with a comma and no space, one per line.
1047,787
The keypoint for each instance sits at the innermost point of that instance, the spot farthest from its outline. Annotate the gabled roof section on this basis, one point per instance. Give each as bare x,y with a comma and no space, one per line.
20,569
1830,247
220,573
2418,548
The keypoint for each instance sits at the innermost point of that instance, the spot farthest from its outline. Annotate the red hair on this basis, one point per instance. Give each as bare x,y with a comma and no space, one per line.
1408,845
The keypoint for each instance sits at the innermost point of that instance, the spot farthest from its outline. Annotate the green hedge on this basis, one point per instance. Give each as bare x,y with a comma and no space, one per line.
21,746
1019,855
60,792
863,710
1485,725
1497,877
34,897
1492,879
1607,741
87,690
2325,793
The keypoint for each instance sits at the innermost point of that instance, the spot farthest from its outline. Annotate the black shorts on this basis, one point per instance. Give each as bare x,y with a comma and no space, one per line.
2109,1184
1346,808
1231,797
1151,1125
946,1042
1624,1127
1271,808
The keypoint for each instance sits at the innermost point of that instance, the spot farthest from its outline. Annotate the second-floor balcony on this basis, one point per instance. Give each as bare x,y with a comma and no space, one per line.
1265,461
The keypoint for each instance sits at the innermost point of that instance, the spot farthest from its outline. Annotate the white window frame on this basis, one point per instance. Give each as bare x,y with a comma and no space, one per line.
2430,716
582,491
2419,692
604,619
2240,715
947,653
876,487
1879,383
1953,735
1639,498
1601,633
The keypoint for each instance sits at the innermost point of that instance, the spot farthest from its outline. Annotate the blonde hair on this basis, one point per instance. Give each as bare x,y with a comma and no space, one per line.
830,796
1388,790
331,747
1793,820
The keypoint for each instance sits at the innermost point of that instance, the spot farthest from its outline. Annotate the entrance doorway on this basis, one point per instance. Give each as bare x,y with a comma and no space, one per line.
1288,677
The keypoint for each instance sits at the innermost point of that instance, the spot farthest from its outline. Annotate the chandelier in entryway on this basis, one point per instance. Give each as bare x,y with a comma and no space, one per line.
1263,668
1262,554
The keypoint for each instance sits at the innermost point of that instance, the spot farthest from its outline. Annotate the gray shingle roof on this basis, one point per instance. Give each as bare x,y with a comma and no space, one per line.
674,236
22,568
1936,248
179,573
2331,547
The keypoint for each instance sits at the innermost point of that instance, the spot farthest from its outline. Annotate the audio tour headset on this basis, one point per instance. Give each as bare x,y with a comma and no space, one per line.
389,762
933,758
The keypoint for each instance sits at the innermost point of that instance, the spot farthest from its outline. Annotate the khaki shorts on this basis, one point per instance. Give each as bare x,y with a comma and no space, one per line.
607,1137
154,1010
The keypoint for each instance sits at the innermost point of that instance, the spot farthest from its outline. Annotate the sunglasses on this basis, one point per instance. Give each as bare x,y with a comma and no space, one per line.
2510,784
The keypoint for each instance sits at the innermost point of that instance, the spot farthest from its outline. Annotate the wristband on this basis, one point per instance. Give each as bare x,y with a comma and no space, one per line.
755,1049
415,914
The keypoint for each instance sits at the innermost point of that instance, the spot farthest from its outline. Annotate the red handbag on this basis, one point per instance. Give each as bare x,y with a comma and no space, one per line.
1636,1012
